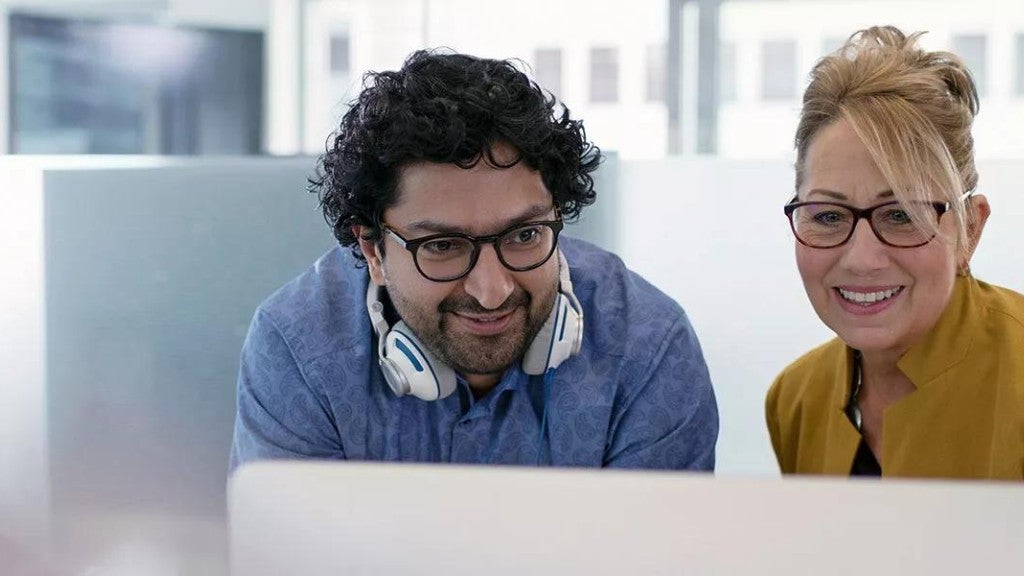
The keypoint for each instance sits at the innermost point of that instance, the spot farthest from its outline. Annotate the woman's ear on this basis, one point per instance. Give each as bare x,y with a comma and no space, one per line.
371,251
977,217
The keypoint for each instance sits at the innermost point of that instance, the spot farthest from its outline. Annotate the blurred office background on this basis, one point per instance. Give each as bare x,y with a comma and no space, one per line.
152,194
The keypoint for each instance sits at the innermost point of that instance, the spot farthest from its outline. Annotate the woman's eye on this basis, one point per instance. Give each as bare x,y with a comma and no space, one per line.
828,217
897,216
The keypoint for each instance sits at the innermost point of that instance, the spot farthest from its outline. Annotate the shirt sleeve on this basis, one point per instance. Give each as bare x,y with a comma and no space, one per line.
279,414
671,421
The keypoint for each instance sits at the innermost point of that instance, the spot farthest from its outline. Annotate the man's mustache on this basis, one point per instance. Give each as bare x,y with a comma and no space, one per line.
466,304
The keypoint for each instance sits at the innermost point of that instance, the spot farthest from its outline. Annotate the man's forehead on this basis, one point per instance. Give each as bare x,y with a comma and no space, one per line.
479,223
432,196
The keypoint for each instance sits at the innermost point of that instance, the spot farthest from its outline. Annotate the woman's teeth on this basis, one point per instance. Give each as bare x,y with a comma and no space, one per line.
869,297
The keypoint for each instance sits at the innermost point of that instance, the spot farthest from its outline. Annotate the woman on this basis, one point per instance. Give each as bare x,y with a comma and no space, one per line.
926,377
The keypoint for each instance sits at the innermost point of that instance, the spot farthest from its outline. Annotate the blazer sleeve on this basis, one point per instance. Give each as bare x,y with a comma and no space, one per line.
771,413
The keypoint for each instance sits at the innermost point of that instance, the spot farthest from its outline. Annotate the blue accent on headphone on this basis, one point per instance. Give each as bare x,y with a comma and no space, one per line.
408,354
561,333
551,343
419,367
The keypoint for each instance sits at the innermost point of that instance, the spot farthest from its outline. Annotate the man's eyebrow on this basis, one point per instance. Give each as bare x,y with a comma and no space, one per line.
440,227
840,196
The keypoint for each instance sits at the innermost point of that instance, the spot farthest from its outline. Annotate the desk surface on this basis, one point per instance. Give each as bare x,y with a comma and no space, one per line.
397,519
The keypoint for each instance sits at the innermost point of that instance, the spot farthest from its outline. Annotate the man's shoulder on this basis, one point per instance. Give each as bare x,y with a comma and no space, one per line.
318,304
620,305
601,278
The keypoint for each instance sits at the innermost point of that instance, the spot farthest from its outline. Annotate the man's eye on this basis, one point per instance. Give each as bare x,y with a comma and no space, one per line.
525,235
438,246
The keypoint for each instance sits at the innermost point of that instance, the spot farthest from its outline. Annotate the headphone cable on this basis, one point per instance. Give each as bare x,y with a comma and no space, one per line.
543,434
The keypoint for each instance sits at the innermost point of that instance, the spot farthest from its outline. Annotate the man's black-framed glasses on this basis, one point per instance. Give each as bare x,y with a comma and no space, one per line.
831,224
451,256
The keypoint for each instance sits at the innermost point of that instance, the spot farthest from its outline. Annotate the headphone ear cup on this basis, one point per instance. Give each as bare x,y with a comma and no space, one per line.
558,339
410,368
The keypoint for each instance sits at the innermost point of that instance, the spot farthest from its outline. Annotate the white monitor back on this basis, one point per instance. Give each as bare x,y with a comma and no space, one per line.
316,518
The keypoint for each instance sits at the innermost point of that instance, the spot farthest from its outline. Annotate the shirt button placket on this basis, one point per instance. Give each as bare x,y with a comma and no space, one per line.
462,441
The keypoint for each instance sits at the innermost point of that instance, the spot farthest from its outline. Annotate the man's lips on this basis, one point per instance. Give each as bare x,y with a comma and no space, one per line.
484,324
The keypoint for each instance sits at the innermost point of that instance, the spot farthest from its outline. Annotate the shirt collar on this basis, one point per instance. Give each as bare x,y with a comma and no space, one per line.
947,343
513,379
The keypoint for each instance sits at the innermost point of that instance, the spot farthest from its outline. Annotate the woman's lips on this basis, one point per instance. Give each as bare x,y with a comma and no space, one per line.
867,300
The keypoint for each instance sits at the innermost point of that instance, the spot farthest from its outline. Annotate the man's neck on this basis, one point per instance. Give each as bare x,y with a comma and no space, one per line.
481,384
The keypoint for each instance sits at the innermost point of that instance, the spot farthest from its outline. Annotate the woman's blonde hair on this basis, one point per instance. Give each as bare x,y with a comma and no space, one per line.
912,109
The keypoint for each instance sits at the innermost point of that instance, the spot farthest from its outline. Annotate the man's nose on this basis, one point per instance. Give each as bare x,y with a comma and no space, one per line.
489,282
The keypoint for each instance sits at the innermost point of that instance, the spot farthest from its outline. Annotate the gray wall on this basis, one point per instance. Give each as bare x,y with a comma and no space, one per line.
152,275
600,222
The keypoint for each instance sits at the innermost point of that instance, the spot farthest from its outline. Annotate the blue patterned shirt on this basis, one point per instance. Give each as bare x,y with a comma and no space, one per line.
638,394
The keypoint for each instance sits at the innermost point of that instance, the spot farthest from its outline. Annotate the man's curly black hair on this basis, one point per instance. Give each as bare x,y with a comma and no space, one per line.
447,108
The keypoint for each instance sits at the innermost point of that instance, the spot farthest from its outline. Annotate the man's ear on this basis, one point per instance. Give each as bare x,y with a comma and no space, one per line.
371,251
975,225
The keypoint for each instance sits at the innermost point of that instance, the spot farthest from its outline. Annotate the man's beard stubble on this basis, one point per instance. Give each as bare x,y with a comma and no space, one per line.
468,353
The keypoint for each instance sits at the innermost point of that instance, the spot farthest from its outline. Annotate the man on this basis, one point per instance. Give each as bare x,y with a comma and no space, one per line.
474,334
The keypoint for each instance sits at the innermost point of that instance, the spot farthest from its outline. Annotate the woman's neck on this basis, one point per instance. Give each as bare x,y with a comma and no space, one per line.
882,385
880,366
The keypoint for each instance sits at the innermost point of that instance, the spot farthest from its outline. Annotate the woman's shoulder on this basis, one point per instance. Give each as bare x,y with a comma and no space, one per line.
821,357
1005,306
804,377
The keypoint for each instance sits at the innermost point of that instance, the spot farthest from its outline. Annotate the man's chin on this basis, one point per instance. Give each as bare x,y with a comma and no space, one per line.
471,353
486,355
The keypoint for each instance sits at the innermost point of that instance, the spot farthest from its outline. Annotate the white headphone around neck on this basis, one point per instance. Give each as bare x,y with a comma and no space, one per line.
409,368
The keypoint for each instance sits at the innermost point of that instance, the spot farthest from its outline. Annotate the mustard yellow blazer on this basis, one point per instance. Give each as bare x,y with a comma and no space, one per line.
965,420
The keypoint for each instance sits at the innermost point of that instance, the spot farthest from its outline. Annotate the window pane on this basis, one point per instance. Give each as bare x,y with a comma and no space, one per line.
778,70
972,48
655,73
604,75
727,72
1019,56
547,67
339,54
